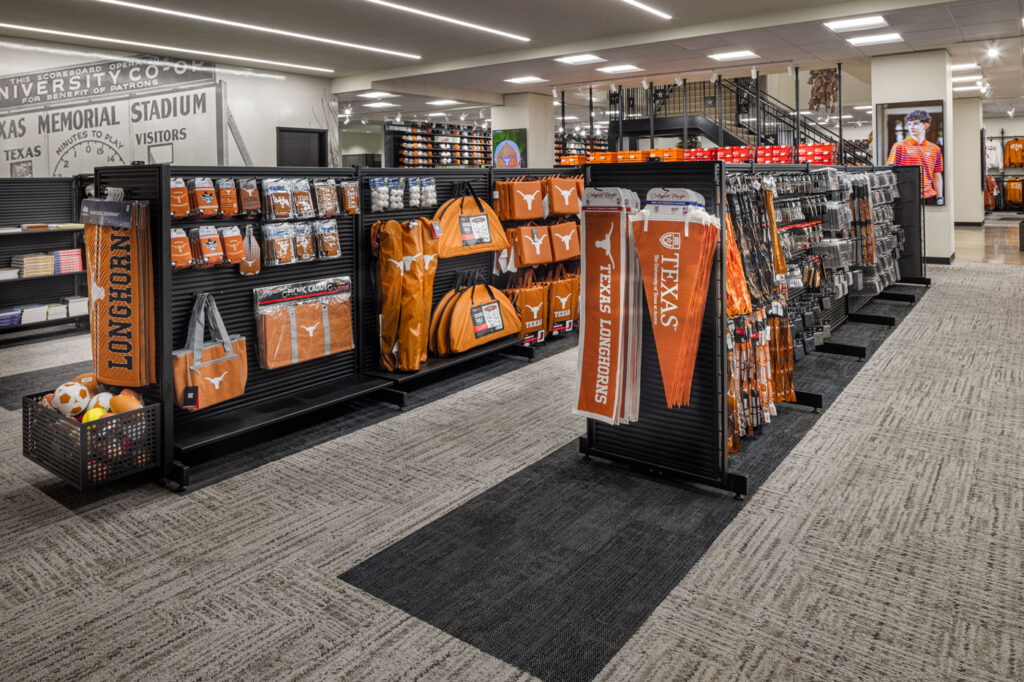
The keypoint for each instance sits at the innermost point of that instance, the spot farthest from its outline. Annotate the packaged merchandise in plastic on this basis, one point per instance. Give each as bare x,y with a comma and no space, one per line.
302,321
379,196
328,244
233,244
348,190
277,200
227,198
181,249
248,198
207,250
250,264
302,199
181,208
203,197
326,198
278,244
396,193
305,249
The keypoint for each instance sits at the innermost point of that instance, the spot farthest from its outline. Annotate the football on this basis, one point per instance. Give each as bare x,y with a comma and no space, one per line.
71,399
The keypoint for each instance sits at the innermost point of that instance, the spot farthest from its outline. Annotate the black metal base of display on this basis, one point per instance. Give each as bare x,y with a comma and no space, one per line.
812,400
437,364
734,483
843,349
865,318
269,412
923,281
78,320
894,296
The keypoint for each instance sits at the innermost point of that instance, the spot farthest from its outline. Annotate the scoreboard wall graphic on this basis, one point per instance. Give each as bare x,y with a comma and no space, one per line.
69,120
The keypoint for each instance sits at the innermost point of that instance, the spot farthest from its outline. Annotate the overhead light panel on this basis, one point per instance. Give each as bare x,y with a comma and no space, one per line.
965,79
863,107
875,39
436,113
163,48
967,88
964,66
847,116
992,52
380,105
729,56
648,8
376,94
524,80
450,20
620,68
860,24
443,102
256,27
578,59
569,118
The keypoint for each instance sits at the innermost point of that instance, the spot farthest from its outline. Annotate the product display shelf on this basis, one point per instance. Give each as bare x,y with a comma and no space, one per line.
448,269
399,151
39,200
688,442
271,396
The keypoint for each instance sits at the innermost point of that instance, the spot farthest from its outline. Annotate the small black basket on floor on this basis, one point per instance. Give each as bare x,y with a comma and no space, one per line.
88,455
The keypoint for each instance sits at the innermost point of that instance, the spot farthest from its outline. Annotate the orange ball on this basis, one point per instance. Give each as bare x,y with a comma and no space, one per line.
132,394
90,381
124,403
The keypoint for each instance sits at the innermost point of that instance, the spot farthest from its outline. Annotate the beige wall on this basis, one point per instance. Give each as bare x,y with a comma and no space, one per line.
970,199
533,112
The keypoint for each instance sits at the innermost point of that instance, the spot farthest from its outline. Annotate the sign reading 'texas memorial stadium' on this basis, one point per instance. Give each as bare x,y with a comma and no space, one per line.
71,119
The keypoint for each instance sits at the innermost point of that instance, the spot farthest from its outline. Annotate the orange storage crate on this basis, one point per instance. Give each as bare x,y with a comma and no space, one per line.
604,157
671,154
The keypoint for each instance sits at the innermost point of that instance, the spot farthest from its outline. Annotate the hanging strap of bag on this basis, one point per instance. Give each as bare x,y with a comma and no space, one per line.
204,312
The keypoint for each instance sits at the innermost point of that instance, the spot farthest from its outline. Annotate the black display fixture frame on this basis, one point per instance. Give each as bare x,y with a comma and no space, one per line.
271,396
688,443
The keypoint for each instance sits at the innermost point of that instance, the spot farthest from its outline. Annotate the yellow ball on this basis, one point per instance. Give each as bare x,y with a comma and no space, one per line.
93,414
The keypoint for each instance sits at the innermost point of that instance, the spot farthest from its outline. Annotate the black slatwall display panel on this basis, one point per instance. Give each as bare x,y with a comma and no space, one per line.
836,314
909,214
36,200
448,269
690,441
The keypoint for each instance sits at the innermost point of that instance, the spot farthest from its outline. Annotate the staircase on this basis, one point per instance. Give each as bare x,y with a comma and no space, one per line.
740,107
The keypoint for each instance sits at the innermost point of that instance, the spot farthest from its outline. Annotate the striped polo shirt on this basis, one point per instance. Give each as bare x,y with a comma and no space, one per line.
927,155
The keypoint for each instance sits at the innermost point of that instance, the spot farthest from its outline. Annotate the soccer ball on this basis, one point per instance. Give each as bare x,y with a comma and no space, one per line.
71,399
101,400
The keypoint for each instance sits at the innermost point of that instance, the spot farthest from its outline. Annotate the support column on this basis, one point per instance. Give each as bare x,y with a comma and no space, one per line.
969,173
916,77
533,112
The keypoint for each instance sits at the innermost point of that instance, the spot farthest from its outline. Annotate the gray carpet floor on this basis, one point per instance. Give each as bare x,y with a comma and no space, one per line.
887,544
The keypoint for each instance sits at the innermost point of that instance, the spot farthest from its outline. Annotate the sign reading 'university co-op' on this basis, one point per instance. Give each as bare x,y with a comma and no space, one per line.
71,119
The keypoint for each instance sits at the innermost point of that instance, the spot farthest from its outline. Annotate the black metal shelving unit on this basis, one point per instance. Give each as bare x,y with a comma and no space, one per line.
271,396
40,200
689,442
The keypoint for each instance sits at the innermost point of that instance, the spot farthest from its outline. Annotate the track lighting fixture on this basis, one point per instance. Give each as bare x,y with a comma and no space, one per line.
679,81
348,110
554,92
791,70
714,76
753,72
643,82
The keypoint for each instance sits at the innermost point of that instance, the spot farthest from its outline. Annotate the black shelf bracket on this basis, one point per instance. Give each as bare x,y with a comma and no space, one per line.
898,297
867,318
859,352
812,400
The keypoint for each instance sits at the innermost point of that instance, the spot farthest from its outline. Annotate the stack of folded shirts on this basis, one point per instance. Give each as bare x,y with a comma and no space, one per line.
10,317
68,260
77,305
34,264
33,313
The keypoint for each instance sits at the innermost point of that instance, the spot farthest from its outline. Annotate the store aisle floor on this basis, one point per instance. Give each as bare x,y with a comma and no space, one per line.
888,544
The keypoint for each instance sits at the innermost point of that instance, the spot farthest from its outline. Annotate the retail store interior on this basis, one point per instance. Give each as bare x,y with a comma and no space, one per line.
575,340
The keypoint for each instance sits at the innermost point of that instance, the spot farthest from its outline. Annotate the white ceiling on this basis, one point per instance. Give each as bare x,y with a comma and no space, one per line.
476,63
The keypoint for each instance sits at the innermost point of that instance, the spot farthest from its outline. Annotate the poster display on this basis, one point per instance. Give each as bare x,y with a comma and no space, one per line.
509,148
68,120
911,134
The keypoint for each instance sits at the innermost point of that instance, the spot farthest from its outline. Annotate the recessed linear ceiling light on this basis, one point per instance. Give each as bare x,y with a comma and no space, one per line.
847,116
802,113
450,20
380,105
578,59
376,94
967,88
863,107
863,23
256,27
728,56
964,67
965,79
437,113
569,118
875,39
621,68
648,8
443,102
524,80
164,48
